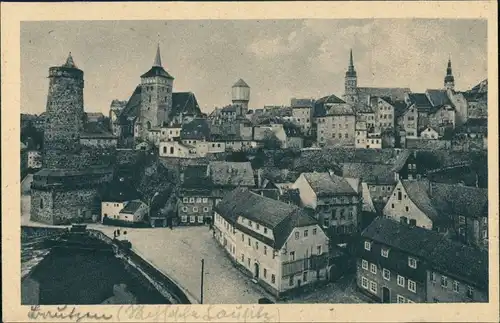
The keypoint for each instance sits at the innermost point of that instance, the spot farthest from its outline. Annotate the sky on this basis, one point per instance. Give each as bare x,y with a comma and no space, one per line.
279,59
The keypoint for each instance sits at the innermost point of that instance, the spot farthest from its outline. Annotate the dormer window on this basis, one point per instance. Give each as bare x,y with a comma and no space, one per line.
384,252
368,245
412,262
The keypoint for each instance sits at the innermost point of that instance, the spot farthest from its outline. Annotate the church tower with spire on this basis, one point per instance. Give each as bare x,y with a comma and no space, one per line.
351,82
156,97
449,79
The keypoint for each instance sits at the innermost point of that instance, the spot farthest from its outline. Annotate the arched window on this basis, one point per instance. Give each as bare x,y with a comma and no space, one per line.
148,125
164,150
41,203
171,150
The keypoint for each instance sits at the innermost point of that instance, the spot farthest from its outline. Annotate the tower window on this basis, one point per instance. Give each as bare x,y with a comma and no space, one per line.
41,203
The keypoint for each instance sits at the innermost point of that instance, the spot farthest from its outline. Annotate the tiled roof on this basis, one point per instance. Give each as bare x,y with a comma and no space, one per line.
157,71
240,83
370,173
413,240
463,262
438,97
399,108
453,199
184,102
229,108
320,108
132,107
393,93
361,107
474,125
418,193
196,129
466,262
302,103
281,217
119,191
195,176
131,207
419,99
224,173
95,130
324,184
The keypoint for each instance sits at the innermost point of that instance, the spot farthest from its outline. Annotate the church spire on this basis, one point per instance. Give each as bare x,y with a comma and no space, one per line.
69,61
449,79
157,61
351,71
351,61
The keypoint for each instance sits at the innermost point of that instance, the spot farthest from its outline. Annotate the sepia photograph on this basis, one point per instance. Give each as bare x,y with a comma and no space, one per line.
253,161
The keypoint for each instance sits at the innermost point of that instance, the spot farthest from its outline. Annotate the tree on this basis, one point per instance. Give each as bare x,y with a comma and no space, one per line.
270,141
237,156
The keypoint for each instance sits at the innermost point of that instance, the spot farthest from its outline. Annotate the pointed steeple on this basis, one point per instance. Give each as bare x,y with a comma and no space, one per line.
351,71
449,79
69,61
157,61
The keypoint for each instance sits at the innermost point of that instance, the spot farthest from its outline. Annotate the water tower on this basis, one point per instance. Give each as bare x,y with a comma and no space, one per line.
241,95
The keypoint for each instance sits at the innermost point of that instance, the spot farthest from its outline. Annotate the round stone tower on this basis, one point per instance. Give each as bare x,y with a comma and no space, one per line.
64,115
241,95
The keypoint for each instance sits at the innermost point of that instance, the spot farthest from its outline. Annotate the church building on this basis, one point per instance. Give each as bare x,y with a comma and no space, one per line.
152,105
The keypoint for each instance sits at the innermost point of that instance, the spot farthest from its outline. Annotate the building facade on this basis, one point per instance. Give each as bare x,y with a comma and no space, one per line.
277,244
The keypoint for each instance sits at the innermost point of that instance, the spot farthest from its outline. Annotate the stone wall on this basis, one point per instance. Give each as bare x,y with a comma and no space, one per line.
31,233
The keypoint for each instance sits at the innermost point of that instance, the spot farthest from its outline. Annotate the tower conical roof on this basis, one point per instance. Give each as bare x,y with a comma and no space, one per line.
240,83
449,72
157,61
350,70
69,62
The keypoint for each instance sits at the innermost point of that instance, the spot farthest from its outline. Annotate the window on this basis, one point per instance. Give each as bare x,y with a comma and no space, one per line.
200,219
185,200
433,277
470,292
485,220
273,278
265,273
384,252
290,281
386,274
191,200
399,196
368,245
364,264
401,299
292,255
242,237
258,226
249,243
306,232
461,219
314,231
205,200
444,281
455,287
406,209
412,262
373,268
326,222
373,287
192,219
412,286
257,245
184,218
265,250
401,281
392,205
318,249
184,209
265,230
198,200
195,209
485,234
205,209
297,235
364,282
248,260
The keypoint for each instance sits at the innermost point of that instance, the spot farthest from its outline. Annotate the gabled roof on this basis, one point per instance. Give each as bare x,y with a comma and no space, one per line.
394,93
184,102
132,107
223,173
280,217
418,193
419,99
132,207
438,97
320,105
372,174
196,129
325,184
